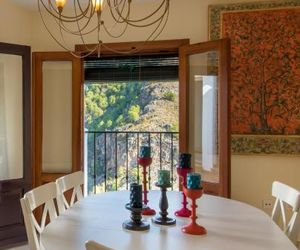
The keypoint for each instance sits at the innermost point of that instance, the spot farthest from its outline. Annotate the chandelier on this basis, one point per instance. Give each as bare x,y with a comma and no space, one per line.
92,18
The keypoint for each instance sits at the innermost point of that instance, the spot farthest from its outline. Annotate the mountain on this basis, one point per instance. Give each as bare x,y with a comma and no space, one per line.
143,106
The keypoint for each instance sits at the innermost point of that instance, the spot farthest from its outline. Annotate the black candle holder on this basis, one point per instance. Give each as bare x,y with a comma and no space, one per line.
135,223
163,219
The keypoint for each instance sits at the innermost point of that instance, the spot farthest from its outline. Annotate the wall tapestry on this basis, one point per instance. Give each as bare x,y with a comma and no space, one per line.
265,74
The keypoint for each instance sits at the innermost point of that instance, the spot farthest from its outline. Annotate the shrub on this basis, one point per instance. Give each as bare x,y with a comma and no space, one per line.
170,96
134,113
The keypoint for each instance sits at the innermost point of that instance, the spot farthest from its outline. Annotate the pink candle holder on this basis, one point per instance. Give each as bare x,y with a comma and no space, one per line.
146,162
184,211
193,227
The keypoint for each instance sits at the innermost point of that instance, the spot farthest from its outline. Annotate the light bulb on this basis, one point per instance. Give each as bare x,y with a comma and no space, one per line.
60,3
98,5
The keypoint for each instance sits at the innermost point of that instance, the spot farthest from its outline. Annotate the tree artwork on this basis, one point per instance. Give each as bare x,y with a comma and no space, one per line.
265,71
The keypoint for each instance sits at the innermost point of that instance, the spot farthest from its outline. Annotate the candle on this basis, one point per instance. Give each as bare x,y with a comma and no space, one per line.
145,152
185,160
164,177
136,195
193,181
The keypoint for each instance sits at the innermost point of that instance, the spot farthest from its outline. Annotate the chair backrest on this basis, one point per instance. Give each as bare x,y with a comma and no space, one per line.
43,195
93,245
286,194
72,182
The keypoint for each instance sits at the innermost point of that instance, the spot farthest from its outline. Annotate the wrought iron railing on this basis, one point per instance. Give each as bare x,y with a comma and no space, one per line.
111,158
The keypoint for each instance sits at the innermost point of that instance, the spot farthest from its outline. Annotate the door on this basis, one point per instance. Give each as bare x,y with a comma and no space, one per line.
57,115
15,140
204,112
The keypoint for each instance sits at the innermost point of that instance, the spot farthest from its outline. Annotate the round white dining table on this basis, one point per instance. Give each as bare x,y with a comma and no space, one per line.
230,225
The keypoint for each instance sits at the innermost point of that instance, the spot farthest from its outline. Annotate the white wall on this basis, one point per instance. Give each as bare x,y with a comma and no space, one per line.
251,175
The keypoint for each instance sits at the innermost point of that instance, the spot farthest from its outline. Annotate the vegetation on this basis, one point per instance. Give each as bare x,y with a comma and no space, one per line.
108,106
128,106
170,96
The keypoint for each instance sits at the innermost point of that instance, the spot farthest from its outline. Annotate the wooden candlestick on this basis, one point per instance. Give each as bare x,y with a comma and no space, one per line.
163,219
135,223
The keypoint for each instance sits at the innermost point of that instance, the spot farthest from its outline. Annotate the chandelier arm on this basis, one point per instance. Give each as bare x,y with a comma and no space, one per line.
53,12
125,27
89,5
147,24
117,21
118,17
162,27
99,29
115,36
164,2
158,20
53,37
116,5
79,28
120,12
90,51
76,33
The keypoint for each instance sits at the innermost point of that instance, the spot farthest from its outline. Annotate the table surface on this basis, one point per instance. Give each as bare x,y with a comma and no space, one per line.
230,225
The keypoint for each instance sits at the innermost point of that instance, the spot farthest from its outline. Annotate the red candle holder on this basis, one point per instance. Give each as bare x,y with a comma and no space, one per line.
146,162
193,227
184,211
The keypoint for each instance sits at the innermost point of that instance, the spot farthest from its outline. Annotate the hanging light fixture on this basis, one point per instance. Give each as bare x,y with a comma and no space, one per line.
87,17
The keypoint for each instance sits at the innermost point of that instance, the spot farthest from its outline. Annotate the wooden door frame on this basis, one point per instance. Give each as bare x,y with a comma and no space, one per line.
37,107
222,46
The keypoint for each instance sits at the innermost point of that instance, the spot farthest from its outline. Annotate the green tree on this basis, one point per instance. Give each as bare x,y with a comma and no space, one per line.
134,113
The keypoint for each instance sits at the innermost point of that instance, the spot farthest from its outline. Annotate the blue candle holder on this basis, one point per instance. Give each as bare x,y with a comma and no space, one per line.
164,178
193,181
145,152
185,160
136,195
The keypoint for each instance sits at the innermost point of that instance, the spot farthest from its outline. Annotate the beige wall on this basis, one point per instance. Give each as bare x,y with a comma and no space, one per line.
15,24
251,176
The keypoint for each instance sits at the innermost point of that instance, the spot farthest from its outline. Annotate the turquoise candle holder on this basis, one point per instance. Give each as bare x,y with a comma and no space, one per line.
136,195
193,181
145,152
163,178
185,160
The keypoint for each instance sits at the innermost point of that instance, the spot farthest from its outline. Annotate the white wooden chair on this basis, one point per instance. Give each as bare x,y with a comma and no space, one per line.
72,182
43,195
286,194
93,245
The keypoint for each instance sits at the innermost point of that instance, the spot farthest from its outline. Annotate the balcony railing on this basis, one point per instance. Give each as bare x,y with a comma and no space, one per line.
111,158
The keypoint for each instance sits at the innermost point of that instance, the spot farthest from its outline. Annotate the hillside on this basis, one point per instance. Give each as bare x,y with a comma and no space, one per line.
150,106
143,106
